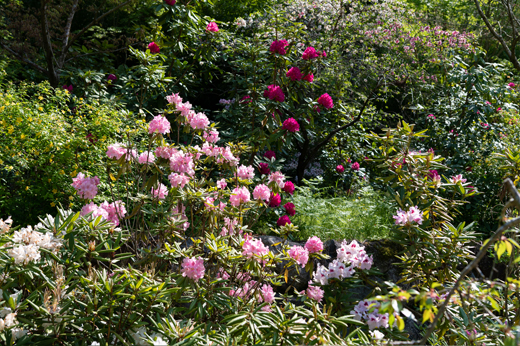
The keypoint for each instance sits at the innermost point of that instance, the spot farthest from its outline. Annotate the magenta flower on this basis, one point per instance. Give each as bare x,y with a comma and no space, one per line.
278,47
309,78
275,200
314,244
310,53
193,268
294,73
283,220
212,27
246,99
159,124
289,187
355,166
299,254
511,85
431,116
170,2
68,88
269,154
154,48
112,77
340,169
291,125
264,168
326,101
275,93
290,209
324,54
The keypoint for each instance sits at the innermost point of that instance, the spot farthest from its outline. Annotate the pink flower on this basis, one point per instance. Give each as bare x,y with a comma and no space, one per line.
221,184
283,220
161,192
193,268
275,93
278,177
289,187
278,47
275,200
457,178
199,121
406,218
211,136
294,73
264,168
115,211
240,195
315,293
212,27
170,2
95,210
326,101
499,109
511,85
159,124
165,152
310,53
309,78
246,99
254,248
115,151
289,208
85,187
355,166
431,116
245,172
146,158
340,169
291,125
266,294
324,54
174,99
178,180
262,192
314,244
299,254
154,48
269,154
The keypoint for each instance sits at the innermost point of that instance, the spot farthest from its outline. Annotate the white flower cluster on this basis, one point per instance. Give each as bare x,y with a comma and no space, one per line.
374,319
27,243
5,225
141,338
8,321
352,254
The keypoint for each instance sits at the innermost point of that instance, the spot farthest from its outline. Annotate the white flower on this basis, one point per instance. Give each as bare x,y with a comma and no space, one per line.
18,333
10,320
24,254
377,335
2,325
4,312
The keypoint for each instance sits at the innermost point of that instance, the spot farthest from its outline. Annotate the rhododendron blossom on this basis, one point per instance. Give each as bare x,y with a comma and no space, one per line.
315,293
212,27
86,187
115,211
146,158
295,74
309,78
340,169
211,136
275,93
221,184
289,187
314,244
95,210
289,208
299,254
413,215
266,294
262,192
264,168
269,154
457,178
291,125
275,200
174,99
245,172
115,151
178,180
283,220
160,125
277,177
254,248
154,48
240,195
355,166
278,47
193,268
326,101
310,53
170,2
161,192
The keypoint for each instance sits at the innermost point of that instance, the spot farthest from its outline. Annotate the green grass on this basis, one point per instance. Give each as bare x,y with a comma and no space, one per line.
364,216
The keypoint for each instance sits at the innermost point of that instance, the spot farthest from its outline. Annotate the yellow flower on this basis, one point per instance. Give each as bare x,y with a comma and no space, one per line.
54,191
71,198
53,204
40,109
22,136
40,98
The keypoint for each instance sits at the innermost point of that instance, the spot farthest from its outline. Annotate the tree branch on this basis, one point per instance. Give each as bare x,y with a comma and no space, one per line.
22,59
47,47
66,34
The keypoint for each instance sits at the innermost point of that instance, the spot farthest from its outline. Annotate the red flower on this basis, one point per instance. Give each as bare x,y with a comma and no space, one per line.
264,168
340,169
294,73
289,187
291,125
355,166
309,78
275,200
275,93
283,220
289,208
278,47
326,101
154,48
310,53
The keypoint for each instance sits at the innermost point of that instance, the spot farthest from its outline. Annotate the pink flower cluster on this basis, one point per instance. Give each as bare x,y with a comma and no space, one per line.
240,195
198,121
262,192
310,53
299,254
289,208
254,248
355,166
326,101
309,78
295,74
160,125
211,136
314,244
291,125
116,151
275,93
154,48
245,172
178,180
193,268
315,293
457,178
407,218
283,220
275,200
229,228
278,47
278,178
340,169
212,27
289,187
86,187
161,192
373,319
112,212
146,158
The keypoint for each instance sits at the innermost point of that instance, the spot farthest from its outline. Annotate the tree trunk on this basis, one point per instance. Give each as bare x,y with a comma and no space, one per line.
52,73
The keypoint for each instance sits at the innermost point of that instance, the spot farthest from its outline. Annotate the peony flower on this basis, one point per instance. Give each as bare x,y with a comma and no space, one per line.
240,195
275,93
160,125
269,154
212,27
146,158
289,208
294,73
355,166
314,244
275,200
289,187
161,192
310,53
283,220
340,169
264,168
154,48
299,254
193,268
326,101
309,78
291,125
278,47
262,192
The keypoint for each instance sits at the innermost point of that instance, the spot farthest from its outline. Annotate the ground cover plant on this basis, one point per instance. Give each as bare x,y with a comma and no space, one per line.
266,173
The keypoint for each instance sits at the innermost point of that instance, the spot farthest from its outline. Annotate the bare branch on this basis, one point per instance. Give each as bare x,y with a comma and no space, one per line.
66,34
22,59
